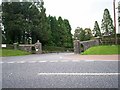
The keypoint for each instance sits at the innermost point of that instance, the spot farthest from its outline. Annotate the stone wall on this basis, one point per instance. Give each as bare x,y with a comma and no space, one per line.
26,47
34,48
80,46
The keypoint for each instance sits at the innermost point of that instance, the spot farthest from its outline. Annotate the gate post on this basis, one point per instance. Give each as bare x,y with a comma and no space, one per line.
77,47
38,47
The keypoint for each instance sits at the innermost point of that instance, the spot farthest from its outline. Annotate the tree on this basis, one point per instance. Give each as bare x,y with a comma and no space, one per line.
69,40
96,30
107,23
27,21
43,26
88,34
83,35
79,34
17,21
55,39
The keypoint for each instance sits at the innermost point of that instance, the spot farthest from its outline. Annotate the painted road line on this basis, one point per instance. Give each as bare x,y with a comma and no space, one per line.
64,61
107,60
32,61
1,62
21,61
79,74
54,61
41,61
60,57
75,60
10,62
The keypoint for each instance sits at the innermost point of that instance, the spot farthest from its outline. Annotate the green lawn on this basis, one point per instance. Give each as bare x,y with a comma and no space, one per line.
102,50
11,52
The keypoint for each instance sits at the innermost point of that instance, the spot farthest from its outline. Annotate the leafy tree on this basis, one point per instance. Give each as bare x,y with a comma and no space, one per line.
27,21
88,34
79,34
11,20
83,35
96,30
107,23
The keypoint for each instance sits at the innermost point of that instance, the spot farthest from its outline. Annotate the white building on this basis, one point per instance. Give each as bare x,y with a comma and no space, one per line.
119,17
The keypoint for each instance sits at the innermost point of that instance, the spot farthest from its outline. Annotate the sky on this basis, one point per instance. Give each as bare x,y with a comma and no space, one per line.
80,13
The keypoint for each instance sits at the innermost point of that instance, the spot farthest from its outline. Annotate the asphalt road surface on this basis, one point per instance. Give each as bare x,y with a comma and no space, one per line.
57,70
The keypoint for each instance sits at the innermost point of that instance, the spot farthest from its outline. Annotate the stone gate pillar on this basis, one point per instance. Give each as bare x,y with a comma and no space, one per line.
77,47
38,47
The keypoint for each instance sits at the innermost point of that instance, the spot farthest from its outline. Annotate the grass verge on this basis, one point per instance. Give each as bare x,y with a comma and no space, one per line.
102,50
12,52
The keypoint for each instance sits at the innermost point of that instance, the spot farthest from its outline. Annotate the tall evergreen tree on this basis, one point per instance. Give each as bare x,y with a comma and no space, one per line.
96,30
107,23
24,21
69,40
54,30
44,27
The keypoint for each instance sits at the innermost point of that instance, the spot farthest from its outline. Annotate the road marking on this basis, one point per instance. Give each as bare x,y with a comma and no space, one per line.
61,57
10,62
53,61
32,61
21,61
80,74
42,61
64,61
75,60
1,62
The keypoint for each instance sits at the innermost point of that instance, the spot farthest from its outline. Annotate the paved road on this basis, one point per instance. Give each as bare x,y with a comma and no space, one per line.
57,70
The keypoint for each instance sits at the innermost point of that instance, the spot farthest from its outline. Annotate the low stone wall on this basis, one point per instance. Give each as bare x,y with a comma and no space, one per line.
34,48
88,44
80,46
25,47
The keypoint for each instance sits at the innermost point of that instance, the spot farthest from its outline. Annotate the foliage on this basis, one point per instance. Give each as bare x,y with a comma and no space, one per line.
107,23
96,30
102,50
83,35
27,22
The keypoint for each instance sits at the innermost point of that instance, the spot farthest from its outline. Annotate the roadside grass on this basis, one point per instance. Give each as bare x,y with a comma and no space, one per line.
102,50
12,52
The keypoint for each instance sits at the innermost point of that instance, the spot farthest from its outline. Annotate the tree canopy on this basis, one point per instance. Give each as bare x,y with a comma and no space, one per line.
27,22
107,23
96,30
83,35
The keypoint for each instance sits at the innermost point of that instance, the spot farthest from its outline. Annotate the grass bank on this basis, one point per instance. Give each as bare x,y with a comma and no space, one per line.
103,50
12,52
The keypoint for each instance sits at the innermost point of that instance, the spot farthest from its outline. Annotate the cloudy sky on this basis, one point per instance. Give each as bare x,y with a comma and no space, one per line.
82,13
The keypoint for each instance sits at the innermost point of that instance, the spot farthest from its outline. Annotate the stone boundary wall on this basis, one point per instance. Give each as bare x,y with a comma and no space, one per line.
80,46
34,48
26,47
